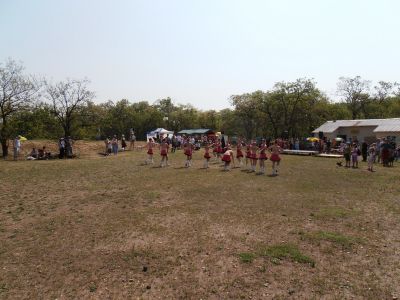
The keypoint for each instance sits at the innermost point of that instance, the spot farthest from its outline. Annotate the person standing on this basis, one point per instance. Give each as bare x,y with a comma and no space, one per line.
68,147
61,147
164,148
17,147
227,158
364,151
150,145
275,150
114,143
239,152
371,158
123,143
347,154
132,139
263,156
354,155
207,155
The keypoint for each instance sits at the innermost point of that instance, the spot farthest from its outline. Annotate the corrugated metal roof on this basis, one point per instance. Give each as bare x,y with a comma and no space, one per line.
388,128
383,125
194,131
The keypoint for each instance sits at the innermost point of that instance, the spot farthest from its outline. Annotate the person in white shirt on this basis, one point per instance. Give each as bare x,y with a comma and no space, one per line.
17,147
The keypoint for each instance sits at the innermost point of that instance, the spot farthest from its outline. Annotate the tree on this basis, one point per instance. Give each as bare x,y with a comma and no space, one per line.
66,98
353,90
17,92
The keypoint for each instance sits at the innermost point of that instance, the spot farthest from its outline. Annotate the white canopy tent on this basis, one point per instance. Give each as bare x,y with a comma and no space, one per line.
161,132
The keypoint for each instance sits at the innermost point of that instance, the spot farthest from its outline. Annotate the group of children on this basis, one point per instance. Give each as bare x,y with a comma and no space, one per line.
254,153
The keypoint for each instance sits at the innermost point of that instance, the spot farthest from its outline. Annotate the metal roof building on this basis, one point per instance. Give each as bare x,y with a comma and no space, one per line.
364,129
196,131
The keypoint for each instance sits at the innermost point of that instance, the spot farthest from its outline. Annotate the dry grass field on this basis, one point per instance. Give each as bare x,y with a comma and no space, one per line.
112,228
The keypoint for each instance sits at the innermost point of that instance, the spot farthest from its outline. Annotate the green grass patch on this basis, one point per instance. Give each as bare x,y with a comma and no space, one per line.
247,257
290,251
334,237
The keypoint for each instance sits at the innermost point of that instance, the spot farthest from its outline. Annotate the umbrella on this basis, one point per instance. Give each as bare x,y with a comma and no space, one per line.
22,138
313,139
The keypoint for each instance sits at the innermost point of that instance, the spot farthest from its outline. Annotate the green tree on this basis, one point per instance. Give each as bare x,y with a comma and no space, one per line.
17,93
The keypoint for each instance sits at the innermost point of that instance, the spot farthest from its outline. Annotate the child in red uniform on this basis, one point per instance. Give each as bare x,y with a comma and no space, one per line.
207,155
188,151
275,149
228,158
262,157
239,153
164,147
248,156
150,145
253,156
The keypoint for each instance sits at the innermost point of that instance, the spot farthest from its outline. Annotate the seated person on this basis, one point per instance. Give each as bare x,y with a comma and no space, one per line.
43,154
33,155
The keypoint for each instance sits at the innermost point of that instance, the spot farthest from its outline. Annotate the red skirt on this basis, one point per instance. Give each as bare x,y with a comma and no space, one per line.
207,155
226,158
239,153
263,156
275,157
188,152
248,154
220,150
253,155
150,152
163,152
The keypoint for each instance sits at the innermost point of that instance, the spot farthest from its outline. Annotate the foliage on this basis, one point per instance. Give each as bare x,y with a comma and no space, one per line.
288,109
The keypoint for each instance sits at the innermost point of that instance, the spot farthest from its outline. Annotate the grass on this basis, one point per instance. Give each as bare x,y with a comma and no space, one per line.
289,251
86,228
334,237
247,257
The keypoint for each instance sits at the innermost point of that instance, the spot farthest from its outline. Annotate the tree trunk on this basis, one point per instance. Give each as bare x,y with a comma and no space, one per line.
4,147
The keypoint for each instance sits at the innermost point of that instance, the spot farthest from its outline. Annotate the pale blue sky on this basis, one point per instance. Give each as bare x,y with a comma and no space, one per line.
201,51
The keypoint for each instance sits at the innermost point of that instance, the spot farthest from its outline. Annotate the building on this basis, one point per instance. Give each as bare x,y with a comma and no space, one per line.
199,131
361,130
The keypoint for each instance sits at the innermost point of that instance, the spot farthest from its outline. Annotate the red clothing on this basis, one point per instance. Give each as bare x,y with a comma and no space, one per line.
226,158
150,151
239,153
275,157
163,152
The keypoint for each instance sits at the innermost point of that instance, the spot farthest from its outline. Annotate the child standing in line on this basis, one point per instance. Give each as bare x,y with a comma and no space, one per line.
262,157
188,151
253,156
248,156
239,153
150,145
275,158
164,147
227,158
206,155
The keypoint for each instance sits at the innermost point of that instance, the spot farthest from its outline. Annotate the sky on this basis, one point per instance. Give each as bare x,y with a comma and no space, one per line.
201,52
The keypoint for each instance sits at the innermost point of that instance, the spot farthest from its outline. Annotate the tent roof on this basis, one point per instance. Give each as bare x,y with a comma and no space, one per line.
160,130
196,131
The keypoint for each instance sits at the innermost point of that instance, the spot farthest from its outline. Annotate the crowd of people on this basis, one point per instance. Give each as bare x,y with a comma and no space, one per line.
247,154
219,149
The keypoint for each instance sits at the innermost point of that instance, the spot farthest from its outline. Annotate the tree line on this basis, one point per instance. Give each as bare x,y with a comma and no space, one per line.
39,109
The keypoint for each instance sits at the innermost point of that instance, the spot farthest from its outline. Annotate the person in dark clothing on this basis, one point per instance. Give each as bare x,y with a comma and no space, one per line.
364,151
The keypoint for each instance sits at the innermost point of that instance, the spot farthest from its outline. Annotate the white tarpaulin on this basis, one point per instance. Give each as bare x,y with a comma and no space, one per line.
159,132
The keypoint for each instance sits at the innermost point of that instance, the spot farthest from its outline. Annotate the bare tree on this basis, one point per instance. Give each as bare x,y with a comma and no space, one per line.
353,90
66,98
17,91
383,91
